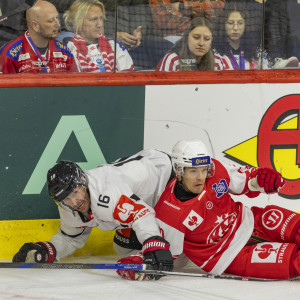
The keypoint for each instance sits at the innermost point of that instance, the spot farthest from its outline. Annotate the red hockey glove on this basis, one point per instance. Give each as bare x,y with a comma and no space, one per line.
207,7
266,180
157,255
131,274
41,252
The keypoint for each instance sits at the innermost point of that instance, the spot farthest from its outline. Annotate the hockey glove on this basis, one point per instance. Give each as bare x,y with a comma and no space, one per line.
157,255
41,252
131,274
266,181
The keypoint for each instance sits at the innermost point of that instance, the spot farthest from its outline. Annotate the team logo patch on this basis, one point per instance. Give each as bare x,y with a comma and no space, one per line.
63,48
192,221
223,224
24,56
221,188
272,218
209,205
128,211
268,253
14,50
201,161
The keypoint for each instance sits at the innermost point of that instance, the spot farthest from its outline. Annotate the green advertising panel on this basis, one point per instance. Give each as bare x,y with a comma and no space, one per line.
40,126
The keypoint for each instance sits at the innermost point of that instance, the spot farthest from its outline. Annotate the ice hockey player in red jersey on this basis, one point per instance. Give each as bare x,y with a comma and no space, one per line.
115,196
199,218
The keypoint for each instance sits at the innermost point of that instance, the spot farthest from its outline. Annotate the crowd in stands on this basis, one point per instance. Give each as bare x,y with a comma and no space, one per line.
40,36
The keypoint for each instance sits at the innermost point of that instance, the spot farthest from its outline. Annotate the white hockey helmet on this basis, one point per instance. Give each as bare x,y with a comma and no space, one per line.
191,154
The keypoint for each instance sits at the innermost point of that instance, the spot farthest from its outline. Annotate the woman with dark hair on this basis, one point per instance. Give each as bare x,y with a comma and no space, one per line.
192,51
237,41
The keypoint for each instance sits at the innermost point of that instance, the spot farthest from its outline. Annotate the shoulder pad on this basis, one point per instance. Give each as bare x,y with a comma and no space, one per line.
63,48
14,50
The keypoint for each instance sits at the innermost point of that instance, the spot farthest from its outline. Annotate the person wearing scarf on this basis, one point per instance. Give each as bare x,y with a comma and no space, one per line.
93,52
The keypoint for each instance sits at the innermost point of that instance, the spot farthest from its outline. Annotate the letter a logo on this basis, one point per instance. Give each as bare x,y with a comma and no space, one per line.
86,139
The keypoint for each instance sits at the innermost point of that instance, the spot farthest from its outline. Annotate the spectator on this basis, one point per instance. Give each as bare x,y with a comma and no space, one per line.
172,17
192,51
237,41
37,51
92,50
131,37
132,24
277,38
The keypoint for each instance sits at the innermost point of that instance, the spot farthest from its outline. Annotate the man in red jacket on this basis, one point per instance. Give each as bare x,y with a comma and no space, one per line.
37,51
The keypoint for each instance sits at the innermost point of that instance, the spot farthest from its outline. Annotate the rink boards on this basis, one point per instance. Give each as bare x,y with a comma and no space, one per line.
251,123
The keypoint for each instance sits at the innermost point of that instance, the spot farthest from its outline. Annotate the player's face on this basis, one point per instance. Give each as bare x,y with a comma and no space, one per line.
199,40
48,25
93,24
235,26
79,199
193,179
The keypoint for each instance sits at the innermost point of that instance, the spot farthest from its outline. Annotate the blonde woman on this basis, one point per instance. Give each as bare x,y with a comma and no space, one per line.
92,50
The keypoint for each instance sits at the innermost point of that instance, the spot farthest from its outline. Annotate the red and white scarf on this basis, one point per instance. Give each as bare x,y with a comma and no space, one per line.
85,61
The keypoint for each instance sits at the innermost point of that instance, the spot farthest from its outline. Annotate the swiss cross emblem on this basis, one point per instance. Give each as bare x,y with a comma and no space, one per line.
193,220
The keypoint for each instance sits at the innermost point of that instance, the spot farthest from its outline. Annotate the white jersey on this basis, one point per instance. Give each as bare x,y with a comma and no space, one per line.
122,195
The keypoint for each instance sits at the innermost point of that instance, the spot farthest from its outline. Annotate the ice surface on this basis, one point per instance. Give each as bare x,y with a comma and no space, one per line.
105,284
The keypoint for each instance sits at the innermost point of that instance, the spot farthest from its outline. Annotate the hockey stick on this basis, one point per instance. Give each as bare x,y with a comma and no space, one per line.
228,277
139,267
72,266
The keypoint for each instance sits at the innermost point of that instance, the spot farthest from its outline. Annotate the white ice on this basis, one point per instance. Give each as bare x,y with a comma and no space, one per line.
73,284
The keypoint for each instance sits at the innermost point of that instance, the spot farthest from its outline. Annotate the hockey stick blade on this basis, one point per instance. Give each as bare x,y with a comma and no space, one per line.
228,277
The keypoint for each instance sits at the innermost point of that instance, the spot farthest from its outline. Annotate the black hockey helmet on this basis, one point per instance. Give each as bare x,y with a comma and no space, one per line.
63,178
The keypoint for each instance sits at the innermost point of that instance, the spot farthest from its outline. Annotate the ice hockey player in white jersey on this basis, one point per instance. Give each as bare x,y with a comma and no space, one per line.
111,197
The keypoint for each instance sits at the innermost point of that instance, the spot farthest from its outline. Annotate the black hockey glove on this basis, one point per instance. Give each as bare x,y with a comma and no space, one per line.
157,256
41,252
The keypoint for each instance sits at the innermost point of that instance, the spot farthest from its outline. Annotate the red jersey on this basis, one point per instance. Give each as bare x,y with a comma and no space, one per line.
211,229
21,55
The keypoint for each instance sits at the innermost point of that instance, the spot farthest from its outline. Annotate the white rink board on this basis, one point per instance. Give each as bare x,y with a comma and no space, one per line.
226,114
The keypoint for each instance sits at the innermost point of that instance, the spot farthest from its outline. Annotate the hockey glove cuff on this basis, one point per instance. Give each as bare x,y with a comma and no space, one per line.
157,256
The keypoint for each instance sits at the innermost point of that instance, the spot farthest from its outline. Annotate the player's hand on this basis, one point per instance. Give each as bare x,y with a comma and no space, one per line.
157,256
41,252
270,180
267,181
131,274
